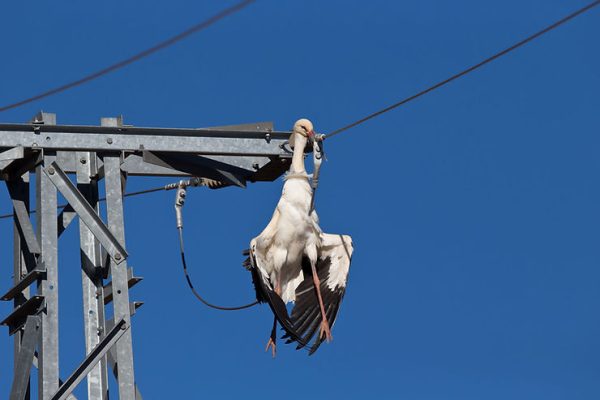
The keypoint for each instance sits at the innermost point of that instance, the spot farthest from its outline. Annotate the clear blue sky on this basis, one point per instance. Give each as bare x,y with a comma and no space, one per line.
475,210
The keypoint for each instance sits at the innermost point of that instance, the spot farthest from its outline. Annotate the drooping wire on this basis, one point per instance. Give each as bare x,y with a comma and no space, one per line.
191,285
180,196
166,43
467,70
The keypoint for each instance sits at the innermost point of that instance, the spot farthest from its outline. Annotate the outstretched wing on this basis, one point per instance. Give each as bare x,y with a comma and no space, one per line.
266,294
332,268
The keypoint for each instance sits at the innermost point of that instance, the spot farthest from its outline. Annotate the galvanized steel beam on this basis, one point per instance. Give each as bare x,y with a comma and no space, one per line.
48,238
131,139
91,277
114,207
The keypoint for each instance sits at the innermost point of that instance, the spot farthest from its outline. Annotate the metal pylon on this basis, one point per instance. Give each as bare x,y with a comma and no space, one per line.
232,155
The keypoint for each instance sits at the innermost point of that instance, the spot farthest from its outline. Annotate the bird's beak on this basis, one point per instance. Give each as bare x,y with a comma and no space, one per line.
311,135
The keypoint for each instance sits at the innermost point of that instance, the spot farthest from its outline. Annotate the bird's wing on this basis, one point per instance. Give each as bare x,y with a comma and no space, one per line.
332,268
266,294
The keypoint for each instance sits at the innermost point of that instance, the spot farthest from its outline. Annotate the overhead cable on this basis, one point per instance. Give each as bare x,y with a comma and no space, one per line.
467,70
164,44
130,194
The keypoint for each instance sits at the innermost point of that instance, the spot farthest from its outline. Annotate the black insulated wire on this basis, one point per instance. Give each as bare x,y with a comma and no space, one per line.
191,285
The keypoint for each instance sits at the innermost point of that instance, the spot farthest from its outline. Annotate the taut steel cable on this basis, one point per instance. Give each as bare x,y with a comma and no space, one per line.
467,70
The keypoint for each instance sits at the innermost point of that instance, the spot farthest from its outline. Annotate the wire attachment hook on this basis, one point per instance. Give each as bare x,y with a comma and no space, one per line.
318,155
179,202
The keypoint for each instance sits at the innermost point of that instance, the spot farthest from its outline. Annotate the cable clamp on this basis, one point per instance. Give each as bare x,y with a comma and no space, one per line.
179,202
318,156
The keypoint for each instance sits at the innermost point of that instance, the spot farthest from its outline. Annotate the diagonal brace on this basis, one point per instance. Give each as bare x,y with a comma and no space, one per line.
86,213
25,358
91,360
24,223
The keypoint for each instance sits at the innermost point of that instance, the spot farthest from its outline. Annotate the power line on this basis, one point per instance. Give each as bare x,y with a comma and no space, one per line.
245,3
130,194
468,70
196,28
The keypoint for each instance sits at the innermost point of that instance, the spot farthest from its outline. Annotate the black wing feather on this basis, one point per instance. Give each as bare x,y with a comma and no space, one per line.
265,294
306,314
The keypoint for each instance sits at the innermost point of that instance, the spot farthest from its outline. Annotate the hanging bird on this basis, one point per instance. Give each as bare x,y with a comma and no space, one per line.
293,261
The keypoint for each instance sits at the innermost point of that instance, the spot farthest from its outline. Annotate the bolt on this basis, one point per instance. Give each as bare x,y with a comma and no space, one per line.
123,327
51,170
109,140
255,166
83,160
118,256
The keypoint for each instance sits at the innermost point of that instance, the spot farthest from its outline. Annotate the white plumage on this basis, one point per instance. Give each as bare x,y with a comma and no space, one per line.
292,260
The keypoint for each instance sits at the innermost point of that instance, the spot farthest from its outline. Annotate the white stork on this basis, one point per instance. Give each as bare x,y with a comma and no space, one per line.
293,261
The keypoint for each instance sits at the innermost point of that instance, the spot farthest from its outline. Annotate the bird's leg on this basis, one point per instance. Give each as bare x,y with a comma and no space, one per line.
273,339
325,329
272,343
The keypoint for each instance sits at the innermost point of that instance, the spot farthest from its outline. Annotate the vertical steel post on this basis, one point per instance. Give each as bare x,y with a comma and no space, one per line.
120,288
20,266
91,262
48,368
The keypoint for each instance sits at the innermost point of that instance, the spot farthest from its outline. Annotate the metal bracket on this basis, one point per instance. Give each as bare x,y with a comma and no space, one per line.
38,272
86,213
18,317
131,282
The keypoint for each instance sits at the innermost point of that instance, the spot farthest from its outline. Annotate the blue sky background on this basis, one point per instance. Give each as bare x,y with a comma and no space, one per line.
474,210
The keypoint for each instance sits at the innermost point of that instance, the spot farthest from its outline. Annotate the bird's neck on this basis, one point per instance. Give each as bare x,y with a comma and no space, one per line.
298,157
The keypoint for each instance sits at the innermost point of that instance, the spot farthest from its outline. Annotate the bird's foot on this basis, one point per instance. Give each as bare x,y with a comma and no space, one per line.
326,331
271,344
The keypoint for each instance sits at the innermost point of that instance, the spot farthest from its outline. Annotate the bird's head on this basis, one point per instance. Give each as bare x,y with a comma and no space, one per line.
301,133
